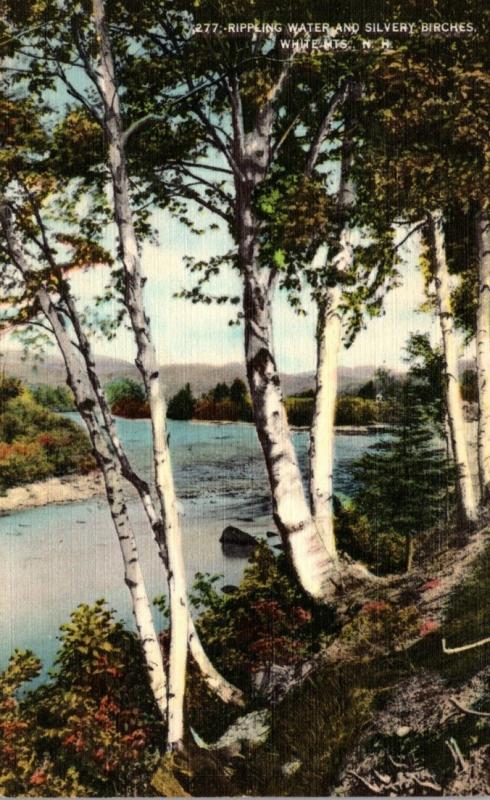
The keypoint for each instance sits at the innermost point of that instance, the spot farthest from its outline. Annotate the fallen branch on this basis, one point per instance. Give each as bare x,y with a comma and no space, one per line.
426,784
450,650
468,710
370,786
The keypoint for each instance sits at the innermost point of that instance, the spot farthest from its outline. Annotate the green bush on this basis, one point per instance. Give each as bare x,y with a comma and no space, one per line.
127,398
356,411
267,619
92,730
383,551
22,462
299,410
54,398
36,443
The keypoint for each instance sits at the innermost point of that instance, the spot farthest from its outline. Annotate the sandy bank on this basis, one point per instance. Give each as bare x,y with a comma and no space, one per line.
69,489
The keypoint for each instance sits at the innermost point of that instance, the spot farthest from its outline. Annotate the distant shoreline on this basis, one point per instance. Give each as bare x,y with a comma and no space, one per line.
69,489
78,488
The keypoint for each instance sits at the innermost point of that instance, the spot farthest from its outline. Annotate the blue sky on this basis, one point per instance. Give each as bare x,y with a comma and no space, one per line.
190,333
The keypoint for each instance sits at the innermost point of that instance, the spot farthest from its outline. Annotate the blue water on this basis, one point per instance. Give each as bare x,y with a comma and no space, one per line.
55,557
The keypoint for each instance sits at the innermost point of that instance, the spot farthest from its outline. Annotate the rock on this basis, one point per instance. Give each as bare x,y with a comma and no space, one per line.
236,542
229,589
403,730
291,767
252,729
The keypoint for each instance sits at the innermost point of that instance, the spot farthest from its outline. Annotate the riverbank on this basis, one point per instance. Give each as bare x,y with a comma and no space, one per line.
69,489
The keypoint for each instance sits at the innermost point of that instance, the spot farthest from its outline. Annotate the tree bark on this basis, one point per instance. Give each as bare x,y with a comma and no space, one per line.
464,486
322,433
147,364
315,568
483,353
213,679
328,341
86,405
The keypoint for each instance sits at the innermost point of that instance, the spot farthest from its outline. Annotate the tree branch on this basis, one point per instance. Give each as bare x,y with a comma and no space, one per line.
336,100
464,648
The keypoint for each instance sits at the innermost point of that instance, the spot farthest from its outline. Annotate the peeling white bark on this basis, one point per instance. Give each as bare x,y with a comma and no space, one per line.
464,486
213,679
86,404
148,367
322,433
316,570
483,353
328,340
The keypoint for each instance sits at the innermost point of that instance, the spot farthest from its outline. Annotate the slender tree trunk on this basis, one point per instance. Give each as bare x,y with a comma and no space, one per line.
483,353
314,566
329,338
322,434
213,679
86,404
464,486
148,366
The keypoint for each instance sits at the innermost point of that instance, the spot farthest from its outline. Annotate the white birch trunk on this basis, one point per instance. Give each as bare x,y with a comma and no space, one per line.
464,485
329,339
483,353
316,569
213,679
322,433
148,367
86,404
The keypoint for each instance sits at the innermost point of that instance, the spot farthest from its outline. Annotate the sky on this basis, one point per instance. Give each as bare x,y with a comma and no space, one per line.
196,333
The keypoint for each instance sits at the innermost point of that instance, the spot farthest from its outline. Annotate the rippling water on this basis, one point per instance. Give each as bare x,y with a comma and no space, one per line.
55,557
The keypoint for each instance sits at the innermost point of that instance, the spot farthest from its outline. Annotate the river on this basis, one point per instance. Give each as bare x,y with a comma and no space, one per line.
55,557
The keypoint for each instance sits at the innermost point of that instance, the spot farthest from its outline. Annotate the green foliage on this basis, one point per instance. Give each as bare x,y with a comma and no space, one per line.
267,620
381,628
127,398
55,398
357,411
383,551
403,482
182,404
427,375
92,729
299,410
36,443
231,403
10,387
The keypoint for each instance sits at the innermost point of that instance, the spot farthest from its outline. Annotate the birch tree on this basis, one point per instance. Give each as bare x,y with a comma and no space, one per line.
90,397
431,181
464,485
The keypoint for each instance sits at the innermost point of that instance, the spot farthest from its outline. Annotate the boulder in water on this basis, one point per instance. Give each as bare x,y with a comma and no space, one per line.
237,542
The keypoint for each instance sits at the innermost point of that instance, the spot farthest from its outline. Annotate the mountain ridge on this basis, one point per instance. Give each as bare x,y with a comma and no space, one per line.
202,377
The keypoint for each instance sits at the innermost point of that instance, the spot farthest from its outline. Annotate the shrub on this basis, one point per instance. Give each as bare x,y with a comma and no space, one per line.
381,628
55,398
36,443
356,411
299,410
267,620
182,404
93,728
127,398
383,551
22,462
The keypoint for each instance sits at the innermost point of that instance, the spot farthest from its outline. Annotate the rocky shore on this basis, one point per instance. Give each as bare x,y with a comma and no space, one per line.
68,489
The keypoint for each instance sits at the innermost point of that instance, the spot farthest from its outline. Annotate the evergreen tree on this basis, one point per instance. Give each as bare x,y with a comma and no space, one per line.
402,481
182,404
